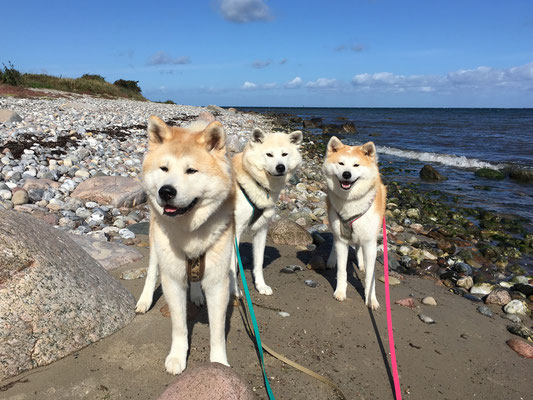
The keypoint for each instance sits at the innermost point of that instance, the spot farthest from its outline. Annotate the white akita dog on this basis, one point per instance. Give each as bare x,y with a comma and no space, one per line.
356,205
262,171
191,192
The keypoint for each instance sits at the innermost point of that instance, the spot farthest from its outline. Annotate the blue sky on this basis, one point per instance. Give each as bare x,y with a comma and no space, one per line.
353,53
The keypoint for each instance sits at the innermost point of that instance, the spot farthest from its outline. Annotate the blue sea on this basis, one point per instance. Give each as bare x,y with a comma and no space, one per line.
455,141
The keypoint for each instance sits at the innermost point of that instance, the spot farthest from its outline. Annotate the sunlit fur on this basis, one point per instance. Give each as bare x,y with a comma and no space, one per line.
194,162
255,171
364,184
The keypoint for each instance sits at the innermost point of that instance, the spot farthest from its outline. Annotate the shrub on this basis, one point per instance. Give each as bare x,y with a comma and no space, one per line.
10,75
129,85
93,77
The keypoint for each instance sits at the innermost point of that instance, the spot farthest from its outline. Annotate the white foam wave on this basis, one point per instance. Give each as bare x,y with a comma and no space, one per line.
445,159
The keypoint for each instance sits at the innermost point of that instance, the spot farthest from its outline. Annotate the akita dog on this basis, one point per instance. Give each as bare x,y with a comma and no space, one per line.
191,192
262,171
356,205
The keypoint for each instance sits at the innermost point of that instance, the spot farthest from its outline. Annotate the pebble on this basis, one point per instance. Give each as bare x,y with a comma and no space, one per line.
20,197
484,310
126,234
516,307
429,301
392,280
521,330
466,282
409,303
284,314
311,283
482,288
291,269
426,319
498,296
513,318
521,347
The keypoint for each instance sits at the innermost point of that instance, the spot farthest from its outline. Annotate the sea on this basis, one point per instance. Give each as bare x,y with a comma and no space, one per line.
456,141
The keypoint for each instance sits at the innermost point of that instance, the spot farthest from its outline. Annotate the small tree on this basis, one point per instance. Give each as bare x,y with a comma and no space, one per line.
129,85
10,75
93,77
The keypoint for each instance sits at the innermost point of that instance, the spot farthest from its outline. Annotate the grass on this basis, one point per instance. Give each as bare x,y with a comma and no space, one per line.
87,84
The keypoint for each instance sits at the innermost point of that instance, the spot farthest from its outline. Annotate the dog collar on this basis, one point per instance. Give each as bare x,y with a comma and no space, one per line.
196,268
256,211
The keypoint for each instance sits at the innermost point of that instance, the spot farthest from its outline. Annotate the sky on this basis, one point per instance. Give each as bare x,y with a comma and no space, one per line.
336,53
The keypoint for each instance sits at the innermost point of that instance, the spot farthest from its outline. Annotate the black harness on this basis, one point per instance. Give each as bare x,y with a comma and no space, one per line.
256,211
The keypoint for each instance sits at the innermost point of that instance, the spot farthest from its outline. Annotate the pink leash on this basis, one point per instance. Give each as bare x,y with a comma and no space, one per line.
396,379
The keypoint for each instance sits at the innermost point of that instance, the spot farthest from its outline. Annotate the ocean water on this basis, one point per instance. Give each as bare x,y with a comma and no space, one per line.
455,141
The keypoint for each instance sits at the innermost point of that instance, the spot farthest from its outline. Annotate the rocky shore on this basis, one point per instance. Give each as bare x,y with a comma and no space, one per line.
75,161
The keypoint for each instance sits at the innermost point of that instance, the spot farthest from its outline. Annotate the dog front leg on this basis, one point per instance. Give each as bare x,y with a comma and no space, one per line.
176,297
217,297
341,249
146,298
369,255
259,253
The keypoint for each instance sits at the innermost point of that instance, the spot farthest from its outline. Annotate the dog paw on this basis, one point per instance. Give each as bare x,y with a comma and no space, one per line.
198,298
361,267
174,365
221,359
264,289
340,295
331,264
372,303
142,306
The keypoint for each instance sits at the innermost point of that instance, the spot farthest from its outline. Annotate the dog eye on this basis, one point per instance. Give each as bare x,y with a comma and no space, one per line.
284,154
191,171
341,163
164,169
270,155
356,165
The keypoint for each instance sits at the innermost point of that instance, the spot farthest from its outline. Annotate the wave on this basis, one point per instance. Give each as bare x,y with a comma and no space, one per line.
445,159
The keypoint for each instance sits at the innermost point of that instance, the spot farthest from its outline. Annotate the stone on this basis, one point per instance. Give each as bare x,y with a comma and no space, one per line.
522,331
426,319
489,173
513,318
429,173
392,280
206,116
429,301
520,287
520,174
465,282
482,288
316,263
522,348
408,302
75,105
285,231
484,310
211,381
19,197
126,234
284,314
8,116
135,273
215,110
291,269
311,283
55,299
413,213
499,297
516,307
117,191
109,255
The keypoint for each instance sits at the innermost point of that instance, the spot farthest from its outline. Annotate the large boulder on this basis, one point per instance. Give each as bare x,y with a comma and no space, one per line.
520,174
489,173
285,231
7,116
117,191
429,173
54,298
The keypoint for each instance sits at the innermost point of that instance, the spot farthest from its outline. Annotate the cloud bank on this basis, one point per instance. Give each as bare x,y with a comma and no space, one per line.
242,11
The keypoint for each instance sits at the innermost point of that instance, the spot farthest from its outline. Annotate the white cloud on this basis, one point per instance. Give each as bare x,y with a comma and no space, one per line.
249,85
295,83
254,86
323,83
261,64
161,58
243,11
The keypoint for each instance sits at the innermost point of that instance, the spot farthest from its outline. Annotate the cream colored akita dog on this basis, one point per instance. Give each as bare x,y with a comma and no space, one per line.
356,205
262,171
188,179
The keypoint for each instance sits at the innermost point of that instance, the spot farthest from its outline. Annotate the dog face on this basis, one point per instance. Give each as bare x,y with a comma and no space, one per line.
348,168
185,169
275,153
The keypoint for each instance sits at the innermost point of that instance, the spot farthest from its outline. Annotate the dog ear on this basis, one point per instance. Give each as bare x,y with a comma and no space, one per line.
158,131
296,137
370,150
334,144
214,136
257,136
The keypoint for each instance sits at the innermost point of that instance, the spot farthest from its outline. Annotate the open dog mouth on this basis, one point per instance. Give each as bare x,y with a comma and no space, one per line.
346,185
172,211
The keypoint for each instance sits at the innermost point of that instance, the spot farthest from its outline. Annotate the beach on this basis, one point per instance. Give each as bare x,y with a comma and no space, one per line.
440,247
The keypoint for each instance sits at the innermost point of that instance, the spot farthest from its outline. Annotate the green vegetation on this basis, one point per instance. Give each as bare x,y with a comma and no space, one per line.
88,83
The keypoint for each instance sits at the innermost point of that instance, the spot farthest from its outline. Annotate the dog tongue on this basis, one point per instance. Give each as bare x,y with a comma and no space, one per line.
346,185
170,209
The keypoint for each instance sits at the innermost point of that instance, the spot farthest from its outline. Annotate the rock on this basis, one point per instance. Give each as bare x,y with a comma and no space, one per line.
311,283
206,116
135,273
285,231
521,330
8,116
211,381
482,288
516,307
5,194
489,173
126,234
513,318
413,213
55,298
117,191
484,310
283,314
520,287
429,301
20,197
215,110
429,173
426,319
316,263
349,127
524,175
408,302
392,280
109,255
465,282
499,297
521,347
291,269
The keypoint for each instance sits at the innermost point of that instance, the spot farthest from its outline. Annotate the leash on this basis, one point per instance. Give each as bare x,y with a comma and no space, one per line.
395,378
262,346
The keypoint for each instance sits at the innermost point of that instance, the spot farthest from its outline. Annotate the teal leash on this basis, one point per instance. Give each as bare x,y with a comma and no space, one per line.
254,322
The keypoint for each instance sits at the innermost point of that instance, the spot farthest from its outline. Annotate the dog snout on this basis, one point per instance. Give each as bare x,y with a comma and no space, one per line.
280,168
346,175
167,192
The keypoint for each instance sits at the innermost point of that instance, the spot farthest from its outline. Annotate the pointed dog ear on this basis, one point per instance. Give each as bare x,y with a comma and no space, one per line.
214,136
158,131
370,150
257,136
334,144
296,137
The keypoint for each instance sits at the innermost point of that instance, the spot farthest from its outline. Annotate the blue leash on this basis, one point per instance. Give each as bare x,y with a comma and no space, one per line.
254,322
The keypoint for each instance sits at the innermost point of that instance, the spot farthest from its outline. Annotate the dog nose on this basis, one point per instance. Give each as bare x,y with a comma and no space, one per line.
280,168
167,192
346,175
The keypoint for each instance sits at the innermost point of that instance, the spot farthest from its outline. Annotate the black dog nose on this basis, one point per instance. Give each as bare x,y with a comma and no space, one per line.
167,192
346,175
280,168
